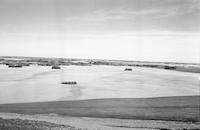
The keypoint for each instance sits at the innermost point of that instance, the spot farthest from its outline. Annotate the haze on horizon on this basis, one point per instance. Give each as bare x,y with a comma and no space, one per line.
146,30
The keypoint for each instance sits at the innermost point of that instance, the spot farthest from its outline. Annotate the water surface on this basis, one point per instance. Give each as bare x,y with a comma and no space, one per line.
40,83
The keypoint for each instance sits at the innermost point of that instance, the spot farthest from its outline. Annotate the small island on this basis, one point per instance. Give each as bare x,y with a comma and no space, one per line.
128,69
55,67
70,82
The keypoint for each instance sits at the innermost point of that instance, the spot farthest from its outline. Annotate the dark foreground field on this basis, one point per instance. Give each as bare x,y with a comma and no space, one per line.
18,124
185,108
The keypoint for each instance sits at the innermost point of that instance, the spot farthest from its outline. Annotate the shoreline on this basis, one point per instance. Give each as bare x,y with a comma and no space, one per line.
175,66
82,123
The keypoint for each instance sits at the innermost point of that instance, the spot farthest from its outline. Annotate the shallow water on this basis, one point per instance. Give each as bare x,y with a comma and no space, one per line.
40,83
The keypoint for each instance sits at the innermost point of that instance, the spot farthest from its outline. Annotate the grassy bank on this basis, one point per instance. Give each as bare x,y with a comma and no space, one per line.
185,108
188,69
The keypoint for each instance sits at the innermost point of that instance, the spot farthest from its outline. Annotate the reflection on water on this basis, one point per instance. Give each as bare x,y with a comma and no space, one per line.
39,83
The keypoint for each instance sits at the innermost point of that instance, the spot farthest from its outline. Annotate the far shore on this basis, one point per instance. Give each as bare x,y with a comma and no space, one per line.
18,62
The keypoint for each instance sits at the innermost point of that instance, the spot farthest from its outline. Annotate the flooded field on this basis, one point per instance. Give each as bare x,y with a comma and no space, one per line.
41,83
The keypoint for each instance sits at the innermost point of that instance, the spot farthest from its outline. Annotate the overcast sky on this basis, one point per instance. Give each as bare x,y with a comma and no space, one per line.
147,30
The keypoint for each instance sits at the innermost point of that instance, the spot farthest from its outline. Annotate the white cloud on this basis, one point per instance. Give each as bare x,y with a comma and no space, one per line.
122,13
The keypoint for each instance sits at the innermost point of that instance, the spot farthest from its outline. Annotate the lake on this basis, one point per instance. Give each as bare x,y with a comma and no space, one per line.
41,83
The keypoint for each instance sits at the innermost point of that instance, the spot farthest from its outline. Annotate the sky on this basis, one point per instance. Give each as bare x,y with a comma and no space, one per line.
139,30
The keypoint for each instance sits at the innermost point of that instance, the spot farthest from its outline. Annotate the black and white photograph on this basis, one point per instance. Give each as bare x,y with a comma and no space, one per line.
99,64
